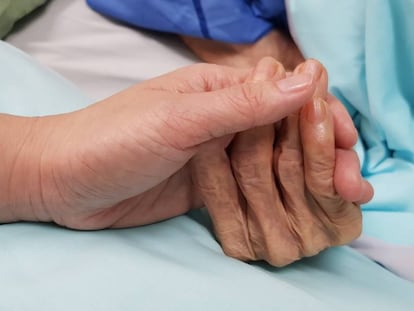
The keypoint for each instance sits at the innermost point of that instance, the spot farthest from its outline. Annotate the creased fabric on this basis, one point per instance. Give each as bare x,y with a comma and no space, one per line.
368,50
234,21
173,265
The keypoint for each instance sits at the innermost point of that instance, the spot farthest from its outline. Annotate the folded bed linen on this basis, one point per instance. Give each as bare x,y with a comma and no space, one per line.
173,265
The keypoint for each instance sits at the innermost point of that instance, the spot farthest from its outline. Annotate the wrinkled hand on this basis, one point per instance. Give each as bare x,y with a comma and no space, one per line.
292,201
124,161
275,44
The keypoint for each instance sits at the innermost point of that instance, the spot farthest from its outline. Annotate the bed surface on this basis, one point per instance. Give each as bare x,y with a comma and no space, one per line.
174,265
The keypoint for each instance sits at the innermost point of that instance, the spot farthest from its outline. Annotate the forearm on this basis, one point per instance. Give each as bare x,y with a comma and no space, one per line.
20,177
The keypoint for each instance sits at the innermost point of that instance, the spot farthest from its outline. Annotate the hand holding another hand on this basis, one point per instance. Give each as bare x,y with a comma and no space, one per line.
288,190
279,191
125,160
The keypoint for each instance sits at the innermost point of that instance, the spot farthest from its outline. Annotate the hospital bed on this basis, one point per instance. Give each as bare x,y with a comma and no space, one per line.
76,58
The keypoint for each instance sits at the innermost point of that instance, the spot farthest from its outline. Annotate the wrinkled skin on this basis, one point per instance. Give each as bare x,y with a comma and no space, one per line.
282,48
128,160
275,44
306,204
125,161
273,194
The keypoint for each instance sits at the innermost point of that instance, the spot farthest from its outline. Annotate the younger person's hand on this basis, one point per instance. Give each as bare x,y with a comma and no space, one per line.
124,161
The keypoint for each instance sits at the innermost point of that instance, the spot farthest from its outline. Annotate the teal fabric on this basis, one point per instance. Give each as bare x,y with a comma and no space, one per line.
368,49
173,265
28,89
13,10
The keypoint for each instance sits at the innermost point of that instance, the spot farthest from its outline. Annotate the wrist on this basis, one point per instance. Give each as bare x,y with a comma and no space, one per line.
21,195
219,53
275,44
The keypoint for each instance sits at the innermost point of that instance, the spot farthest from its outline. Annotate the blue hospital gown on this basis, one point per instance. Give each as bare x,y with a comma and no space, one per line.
234,21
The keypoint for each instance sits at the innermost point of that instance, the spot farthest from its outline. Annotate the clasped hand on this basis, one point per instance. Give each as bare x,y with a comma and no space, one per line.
289,190
269,155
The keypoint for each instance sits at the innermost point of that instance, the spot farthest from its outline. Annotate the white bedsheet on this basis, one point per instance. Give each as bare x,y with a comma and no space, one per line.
100,56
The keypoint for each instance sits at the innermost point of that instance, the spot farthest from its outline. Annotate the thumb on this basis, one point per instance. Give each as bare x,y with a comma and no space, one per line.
201,117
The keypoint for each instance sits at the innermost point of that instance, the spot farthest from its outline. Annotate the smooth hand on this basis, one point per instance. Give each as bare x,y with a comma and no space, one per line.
124,161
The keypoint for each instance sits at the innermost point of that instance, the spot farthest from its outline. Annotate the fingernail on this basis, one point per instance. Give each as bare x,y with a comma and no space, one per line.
295,83
312,67
316,113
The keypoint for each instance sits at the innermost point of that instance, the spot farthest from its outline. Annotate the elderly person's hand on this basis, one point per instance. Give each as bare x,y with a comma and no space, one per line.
125,161
275,44
287,191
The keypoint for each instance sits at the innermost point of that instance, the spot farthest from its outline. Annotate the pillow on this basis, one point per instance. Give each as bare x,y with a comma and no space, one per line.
12,10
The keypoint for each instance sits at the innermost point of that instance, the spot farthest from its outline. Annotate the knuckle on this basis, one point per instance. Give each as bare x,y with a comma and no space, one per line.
238,251
203,78
212,76
319,180
243,168
341,221
236,100
322,164
234,244
253,156
249,93
308,230
290,158
314,244
283,252
253,176
289,163
250,101
350,226
283,257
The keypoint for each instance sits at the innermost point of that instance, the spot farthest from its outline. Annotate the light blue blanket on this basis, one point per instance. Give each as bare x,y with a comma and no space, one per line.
368,49
174,265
